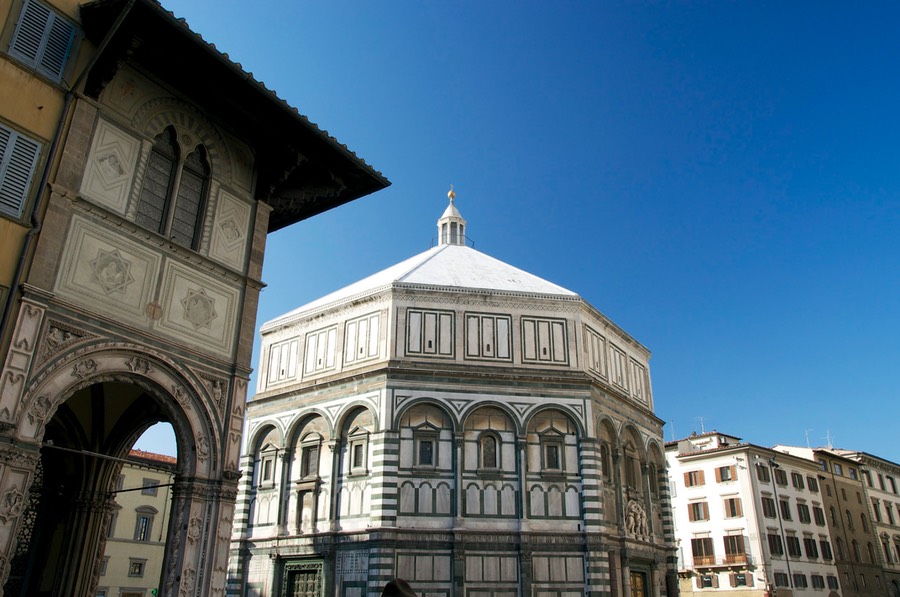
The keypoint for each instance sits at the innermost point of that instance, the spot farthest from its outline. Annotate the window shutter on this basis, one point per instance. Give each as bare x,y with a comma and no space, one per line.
702,480
718,475
699,582
705,511
715,581
733,470
733,579
18,157
691,516
59,42
739,511
687,479
43,39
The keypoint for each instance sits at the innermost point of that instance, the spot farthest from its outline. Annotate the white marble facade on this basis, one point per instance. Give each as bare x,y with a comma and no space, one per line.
457,422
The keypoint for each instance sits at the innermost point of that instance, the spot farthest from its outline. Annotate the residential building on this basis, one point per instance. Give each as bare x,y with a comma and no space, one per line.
748,520
459,423
140,171
136,540
881,482
857,557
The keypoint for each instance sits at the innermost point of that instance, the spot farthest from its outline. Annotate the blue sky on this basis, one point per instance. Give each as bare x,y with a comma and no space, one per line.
721,179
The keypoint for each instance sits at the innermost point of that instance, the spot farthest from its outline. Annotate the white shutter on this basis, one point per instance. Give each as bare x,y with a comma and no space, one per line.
18,157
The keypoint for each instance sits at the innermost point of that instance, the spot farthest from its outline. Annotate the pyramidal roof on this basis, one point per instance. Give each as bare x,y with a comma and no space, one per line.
451,265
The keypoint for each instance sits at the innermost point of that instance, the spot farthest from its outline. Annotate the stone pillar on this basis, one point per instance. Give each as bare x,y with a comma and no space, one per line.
526,568
626,576
619,489
522,462
459,569
79,571
458,463
648,505
17,467
332,513
284,491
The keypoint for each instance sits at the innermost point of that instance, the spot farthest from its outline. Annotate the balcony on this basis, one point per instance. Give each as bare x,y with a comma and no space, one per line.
733,559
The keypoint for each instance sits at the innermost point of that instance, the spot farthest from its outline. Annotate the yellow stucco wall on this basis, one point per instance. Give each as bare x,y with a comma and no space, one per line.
11,237
28,102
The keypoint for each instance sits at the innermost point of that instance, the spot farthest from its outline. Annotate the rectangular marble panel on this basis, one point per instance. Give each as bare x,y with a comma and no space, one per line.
230,231
106,272
110,167
198,309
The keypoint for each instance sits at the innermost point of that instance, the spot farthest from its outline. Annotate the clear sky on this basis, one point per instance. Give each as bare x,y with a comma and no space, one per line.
721,179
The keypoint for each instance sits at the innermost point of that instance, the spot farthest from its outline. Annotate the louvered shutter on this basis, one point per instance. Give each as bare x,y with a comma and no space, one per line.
733,578
718,475
43,39
18,157
702,480
715,581
699,582
687,479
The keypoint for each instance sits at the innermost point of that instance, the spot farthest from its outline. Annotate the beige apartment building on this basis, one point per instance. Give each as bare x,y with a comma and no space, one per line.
138,528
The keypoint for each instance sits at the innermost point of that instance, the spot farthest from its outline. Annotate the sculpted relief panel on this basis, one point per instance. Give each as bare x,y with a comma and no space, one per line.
229,231
110,167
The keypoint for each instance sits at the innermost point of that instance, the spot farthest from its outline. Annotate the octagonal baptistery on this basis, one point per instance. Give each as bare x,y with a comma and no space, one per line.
459,423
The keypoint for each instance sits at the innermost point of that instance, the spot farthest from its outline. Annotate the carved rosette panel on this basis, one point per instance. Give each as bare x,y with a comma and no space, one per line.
230,231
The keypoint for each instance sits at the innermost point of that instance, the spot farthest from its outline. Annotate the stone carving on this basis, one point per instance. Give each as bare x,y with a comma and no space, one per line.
139,365
84,369
199,309
218,580
194,530
217,389
111,271
230,231
224,532
188,581
181,397
635,518
39,410
109,166
202,448
11,504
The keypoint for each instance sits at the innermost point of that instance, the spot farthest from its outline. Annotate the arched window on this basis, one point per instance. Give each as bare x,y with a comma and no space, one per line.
605,466
871,549
174,192
865,522
839,544
849,519
489,451
833,514
856,556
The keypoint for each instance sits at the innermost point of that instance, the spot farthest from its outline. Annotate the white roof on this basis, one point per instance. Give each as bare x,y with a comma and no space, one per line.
445,267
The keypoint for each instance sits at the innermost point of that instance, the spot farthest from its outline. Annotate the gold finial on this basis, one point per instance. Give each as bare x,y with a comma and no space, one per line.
451,194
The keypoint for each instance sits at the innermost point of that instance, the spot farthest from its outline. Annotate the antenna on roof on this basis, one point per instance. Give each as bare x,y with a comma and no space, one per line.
807,437
702,430
672,427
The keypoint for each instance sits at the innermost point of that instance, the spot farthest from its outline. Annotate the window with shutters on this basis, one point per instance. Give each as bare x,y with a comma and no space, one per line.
734,549
740,579
693,478
819,516
708,581
733,507
812,484
818,581
698,511
776,547
173,196
803,513
797,481
781,579
283,360
702,550
785,509
811,548
43,40
725,474
768,505
793,546
780,476
762,473
826,549
18,160
800,581
833,582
